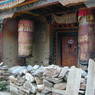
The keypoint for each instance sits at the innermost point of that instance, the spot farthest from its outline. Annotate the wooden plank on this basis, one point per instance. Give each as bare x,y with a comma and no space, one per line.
90,88
73,81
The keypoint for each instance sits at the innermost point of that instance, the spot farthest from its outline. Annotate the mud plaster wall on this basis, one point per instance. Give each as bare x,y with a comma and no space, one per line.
1,43
40,50
40,44
10,42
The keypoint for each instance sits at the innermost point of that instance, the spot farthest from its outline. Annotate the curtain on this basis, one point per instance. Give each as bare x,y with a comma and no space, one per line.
66,18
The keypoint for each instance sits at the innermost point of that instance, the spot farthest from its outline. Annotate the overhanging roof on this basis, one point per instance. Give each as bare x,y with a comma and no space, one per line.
29,5
6,4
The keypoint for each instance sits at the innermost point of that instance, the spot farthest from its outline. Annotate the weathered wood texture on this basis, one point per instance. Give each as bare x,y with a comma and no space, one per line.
71,2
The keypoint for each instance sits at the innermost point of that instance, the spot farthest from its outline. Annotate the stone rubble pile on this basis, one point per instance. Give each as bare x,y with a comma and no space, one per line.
4,74
39,80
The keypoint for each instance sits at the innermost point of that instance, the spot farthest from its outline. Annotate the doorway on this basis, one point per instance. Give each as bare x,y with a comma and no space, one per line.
68,48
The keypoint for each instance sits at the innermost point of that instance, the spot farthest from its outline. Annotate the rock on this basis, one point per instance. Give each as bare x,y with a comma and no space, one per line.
17,70
60,86
38,93
83,80
82,86
84,74
40,87
47,91
36,67
29,77
20,81
29,68
14,90
56,94
39,80
39,72
52,71
29,86
47,83
12,79
63,72
55,80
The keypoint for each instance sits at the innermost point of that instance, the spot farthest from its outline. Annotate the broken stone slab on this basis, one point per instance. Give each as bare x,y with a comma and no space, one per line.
13,79
46,91
40,87
29,86
56,94
29,68
47,83
54,80
52,71
29,77
46,94
20,81
14,90
63,72
39,80
60,86
57,91
39,72
83,86
18,70
38,93
23,92
84,74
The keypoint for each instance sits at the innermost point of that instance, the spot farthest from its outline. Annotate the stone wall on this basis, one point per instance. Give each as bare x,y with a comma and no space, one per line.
40,53
10,42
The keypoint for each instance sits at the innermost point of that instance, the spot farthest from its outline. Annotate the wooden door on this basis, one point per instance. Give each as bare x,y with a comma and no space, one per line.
69,50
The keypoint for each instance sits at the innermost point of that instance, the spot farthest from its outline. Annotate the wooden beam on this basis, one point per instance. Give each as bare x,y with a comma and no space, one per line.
24,12
71,2
36,5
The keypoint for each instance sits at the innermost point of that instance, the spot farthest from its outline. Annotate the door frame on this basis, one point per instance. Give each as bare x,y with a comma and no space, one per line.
59,36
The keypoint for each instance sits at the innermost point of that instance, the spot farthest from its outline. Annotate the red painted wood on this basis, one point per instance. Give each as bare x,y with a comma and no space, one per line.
69,51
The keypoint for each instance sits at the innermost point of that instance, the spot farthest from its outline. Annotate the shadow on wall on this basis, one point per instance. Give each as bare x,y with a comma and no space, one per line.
40,49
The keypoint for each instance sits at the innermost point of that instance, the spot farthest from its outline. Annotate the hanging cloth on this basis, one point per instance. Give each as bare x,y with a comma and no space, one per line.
65,19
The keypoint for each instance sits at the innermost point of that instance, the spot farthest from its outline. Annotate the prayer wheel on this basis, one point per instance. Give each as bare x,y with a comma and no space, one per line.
25,29
86,34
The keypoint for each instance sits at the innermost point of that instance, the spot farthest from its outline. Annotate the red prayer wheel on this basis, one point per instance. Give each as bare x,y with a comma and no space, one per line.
25,29
86,34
